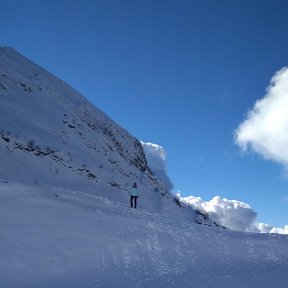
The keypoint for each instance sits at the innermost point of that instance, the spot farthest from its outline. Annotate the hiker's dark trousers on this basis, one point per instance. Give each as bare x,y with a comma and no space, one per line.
133,198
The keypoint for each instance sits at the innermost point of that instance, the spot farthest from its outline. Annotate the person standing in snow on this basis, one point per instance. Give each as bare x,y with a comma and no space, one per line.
134,195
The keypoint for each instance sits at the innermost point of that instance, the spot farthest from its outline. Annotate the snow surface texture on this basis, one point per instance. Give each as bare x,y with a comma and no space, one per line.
53,237
66,170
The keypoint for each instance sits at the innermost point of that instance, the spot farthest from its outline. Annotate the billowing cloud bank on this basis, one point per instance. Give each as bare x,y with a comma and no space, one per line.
265,129
156,158
233,214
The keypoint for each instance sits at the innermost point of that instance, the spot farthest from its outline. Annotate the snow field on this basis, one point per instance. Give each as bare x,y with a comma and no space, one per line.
52,237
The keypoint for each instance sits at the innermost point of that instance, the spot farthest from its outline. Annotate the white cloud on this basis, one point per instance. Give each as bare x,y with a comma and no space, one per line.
280,230
265,128
233,214
264,228
156,158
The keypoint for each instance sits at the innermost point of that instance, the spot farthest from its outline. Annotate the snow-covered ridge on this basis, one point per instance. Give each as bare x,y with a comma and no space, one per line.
38,108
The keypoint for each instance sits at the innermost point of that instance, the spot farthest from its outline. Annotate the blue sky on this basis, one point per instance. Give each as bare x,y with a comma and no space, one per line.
182,74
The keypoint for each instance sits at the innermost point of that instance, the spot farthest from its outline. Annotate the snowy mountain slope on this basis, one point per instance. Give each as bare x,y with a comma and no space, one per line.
66,169
51,134
73,239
